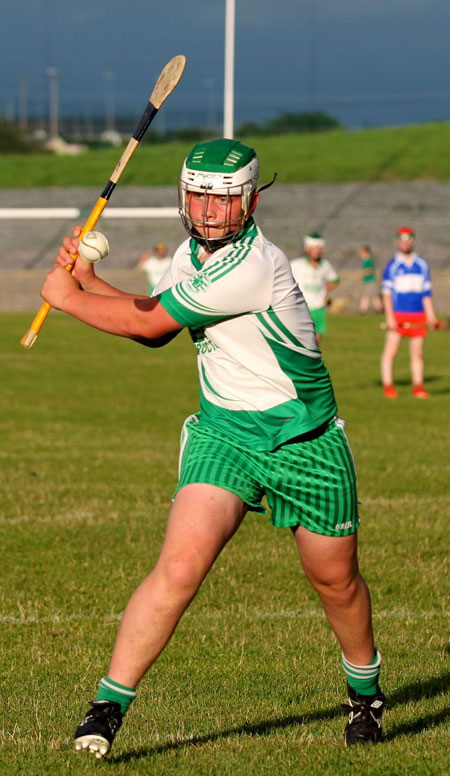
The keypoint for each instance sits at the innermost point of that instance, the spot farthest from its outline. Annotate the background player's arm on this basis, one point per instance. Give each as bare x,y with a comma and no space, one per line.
389,310
429,311
143,258
332,278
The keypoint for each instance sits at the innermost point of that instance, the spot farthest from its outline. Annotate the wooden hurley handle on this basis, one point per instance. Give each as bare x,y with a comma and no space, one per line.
166,83
29,338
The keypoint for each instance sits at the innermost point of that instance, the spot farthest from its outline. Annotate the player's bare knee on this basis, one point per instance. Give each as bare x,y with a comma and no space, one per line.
337,588
182,574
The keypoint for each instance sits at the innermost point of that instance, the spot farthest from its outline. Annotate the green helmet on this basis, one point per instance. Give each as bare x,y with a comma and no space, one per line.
219,167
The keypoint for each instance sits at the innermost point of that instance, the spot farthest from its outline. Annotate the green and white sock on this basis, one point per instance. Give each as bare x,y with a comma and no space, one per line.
363,679
108,690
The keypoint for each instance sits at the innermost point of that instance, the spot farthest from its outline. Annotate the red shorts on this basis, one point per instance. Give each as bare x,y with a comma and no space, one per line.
411,324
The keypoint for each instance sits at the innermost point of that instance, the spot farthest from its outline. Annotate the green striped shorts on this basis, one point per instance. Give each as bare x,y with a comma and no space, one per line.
309,483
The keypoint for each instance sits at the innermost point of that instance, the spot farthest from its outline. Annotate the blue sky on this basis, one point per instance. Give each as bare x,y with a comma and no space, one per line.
368,62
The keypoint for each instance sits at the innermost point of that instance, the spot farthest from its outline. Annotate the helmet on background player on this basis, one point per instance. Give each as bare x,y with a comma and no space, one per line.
223,168
405,239
405,233
314,240
314,244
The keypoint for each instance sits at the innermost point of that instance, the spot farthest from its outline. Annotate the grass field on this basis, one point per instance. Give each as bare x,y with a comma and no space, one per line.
395,153
251,682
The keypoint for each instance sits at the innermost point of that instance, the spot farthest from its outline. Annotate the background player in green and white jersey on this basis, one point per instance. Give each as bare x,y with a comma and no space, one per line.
316,277
370,296
267,426
154,264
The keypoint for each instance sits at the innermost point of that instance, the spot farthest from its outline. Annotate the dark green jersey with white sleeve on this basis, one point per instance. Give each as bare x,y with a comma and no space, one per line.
262,377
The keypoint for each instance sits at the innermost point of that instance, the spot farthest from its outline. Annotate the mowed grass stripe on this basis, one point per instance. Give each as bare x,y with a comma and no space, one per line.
440,504
394,614
251,682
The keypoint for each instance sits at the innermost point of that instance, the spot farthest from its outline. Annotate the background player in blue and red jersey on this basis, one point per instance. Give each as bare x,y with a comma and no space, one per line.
409,309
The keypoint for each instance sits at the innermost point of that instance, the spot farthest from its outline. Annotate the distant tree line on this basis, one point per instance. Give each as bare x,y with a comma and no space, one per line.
305,121
313,121
13,139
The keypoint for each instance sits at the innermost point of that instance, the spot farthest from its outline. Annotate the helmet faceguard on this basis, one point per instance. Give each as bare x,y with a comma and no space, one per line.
218,168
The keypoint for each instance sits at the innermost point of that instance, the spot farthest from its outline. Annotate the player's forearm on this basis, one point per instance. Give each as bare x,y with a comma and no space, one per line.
95,285
388,306
429,309
124,316
389,309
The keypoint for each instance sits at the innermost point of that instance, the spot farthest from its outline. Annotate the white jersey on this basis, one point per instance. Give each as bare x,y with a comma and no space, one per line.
155,268
313,280
261,374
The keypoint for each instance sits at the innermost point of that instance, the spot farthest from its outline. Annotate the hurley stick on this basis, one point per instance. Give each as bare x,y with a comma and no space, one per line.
164,86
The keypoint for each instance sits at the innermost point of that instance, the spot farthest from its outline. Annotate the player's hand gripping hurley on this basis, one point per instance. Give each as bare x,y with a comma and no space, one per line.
166,83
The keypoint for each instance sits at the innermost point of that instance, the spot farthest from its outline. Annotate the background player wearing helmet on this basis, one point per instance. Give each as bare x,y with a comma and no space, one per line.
316,277
267,426
407,297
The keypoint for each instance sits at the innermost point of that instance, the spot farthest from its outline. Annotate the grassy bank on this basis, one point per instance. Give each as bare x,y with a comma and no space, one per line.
400,153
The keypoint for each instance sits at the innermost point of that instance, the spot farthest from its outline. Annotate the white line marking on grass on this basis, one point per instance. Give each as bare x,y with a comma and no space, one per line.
55,619
98,517
414,500
49,518
69,516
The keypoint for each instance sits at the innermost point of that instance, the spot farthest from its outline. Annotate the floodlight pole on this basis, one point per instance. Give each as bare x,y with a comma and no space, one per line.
23,103
228,92
52,74
110,101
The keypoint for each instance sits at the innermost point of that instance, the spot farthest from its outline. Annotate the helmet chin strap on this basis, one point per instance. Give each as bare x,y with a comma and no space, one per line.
212,244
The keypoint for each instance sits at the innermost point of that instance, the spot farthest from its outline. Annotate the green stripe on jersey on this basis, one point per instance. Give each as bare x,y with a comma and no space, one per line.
181,293
183,314
288,334
275,326
210,387
232,259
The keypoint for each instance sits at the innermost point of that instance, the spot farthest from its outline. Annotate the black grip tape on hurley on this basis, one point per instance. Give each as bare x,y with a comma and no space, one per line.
108,190
144,121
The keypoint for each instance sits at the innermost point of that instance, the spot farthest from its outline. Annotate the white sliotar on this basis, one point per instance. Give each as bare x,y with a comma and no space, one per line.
93,247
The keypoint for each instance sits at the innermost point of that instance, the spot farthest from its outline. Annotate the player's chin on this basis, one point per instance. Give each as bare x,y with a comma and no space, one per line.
211,234
214,234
